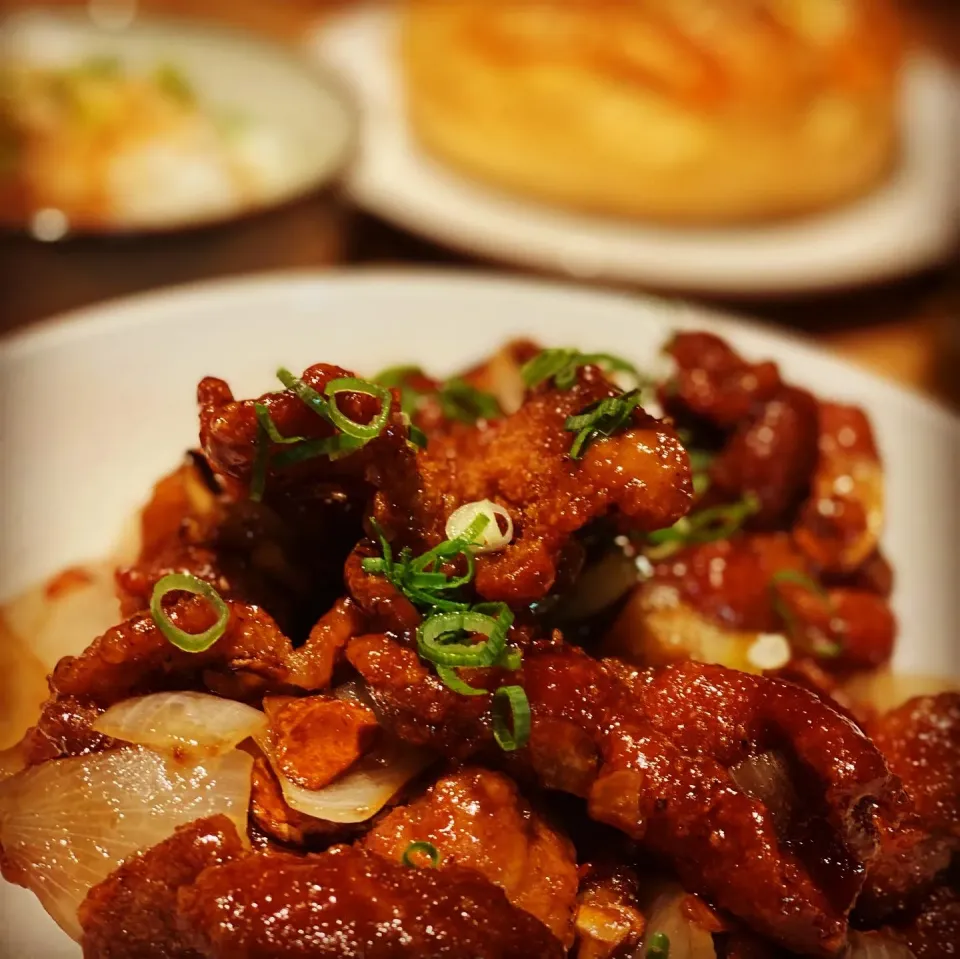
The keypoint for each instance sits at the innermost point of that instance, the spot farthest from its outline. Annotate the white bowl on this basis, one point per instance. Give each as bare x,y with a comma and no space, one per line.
94,407
299,124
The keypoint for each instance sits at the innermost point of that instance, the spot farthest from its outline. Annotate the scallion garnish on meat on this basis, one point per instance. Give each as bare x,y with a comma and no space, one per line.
704,526
600,420
561,366
188,583
441,637
427,849
418,578
347,426
823,647
512,701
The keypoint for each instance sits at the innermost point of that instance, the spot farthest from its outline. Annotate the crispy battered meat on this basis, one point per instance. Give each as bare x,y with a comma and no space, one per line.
714,383
770,457
609,923
271,814
840,524
351,903
652,752
744,584
921,742
521,462
135,657
129,914
478,820
229,431
64,729
934,931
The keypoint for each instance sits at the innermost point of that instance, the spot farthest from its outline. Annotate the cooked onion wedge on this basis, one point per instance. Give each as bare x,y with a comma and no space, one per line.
877,945
667,917
67,824
182,724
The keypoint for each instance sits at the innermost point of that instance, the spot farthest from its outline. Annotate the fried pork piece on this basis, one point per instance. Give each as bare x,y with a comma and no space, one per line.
715,384
276,820
771,457
711,601
840,524
921,743
135,657
130,914
229,433
261,554
521,462
348,902
609,923
64,729
652,752
933,932
478,820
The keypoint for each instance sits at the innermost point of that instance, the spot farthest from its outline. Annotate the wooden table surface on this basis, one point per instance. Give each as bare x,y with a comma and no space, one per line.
908,330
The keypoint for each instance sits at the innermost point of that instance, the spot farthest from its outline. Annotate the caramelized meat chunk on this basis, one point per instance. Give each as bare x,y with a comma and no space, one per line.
135,657
652,752
478,820
64,729
921,743
522,463
352,903
840,524
714,383
129,915
609,922
279,822
317,738
770,457
934,931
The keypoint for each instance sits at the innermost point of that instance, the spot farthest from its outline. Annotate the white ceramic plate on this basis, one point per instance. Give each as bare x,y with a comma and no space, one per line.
96,406
907,224
302,122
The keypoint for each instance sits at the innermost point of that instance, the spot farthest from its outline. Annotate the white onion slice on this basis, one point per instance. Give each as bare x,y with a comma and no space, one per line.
665,915
765,777
492,538
877,945
68,823
183,724
363,790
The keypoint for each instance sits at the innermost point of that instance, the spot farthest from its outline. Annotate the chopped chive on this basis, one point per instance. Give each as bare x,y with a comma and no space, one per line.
599,420
561,366
824,648
461,401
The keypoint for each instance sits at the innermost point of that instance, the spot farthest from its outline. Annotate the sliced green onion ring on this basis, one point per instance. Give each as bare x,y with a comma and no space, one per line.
188,583
561,365
658,947
435,633
427,849
514,699
600,420
351,384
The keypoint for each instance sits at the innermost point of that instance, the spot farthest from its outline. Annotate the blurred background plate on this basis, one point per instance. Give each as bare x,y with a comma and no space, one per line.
907,224
290,117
